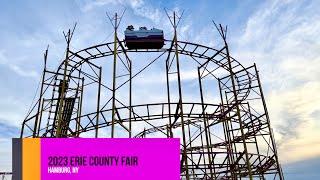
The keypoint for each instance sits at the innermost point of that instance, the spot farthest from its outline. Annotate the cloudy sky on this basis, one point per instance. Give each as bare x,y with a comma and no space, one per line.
281,37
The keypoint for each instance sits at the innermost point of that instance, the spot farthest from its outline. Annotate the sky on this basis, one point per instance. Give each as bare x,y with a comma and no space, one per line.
280,36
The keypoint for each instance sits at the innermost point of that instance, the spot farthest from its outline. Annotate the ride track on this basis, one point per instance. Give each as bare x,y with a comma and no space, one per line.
228,140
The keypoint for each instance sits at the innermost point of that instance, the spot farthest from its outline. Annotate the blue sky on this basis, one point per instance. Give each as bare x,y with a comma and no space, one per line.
281,36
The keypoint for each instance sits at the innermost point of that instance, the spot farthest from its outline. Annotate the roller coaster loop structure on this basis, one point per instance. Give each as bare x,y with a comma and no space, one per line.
227,136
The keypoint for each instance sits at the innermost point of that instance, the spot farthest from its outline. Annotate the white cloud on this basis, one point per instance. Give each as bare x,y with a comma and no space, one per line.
283,39
15,68
12,111
90,5
5,155
139,7
301,101
3,59
23,72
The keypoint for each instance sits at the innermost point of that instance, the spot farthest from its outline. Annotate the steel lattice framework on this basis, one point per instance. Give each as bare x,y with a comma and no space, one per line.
5,175
230,139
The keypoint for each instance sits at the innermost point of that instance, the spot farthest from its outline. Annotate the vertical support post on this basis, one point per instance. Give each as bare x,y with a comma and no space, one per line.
49,117
236,103
79,85
269,126
185,157
203,152
114,75
130,97
261,175
168,96
22,129
79,109
39,111
205,124
190,145
40,119
63,88
227,135
210,146
98,103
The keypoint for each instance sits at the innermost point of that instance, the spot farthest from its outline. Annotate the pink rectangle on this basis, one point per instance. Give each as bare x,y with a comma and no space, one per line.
110,158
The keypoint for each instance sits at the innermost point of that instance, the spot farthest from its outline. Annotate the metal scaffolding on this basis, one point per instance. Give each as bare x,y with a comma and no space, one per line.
229,139
5,175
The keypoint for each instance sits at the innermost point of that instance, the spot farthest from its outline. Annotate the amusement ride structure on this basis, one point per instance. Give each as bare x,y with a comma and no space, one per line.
225,132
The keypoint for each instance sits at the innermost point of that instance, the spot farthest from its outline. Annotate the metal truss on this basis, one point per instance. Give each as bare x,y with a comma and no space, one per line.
5,175
230,139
